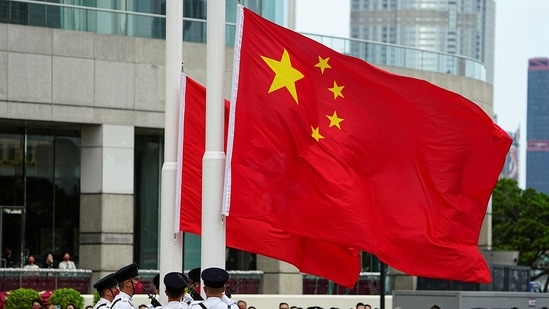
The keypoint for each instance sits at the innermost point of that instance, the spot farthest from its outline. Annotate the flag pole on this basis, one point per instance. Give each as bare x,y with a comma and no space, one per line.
382,279
171,240
213,227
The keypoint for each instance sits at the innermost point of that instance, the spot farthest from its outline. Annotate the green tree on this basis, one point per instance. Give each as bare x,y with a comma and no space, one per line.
21,298
63,297
519,222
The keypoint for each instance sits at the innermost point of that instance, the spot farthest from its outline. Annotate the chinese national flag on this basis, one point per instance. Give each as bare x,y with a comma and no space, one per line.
342,265
327,146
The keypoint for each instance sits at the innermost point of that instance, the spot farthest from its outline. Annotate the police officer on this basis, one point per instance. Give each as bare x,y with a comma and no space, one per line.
156,282
175,288
187,298
107,289
127,279
194,289
214,287
194,276
154,302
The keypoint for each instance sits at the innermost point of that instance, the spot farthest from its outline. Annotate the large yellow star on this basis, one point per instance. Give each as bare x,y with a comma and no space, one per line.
323,64
335,120
285,74
337,90
316,134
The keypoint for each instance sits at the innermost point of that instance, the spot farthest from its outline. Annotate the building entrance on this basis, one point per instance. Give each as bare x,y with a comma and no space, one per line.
11,229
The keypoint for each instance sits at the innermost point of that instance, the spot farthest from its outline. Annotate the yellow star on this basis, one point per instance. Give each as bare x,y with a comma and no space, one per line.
285,74
337,90
334,120
316,134
323,64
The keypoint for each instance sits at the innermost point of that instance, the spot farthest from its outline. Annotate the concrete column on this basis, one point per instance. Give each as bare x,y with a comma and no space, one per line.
401,281
279,277
106,198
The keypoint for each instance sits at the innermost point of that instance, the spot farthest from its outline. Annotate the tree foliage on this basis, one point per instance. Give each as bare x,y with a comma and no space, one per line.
21,298
519,222
65,296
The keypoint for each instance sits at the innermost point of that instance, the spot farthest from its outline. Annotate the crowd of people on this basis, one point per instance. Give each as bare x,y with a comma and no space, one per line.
29,261
38,304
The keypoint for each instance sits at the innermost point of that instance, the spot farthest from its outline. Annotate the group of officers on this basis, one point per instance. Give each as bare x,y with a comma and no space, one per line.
117,289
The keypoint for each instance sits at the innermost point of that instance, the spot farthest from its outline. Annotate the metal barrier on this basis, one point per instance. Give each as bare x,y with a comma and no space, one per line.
505,278
368,284
240,282
379,53
47,279
51,279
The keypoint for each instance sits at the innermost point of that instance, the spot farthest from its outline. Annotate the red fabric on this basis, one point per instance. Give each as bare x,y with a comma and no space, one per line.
329,260
407,175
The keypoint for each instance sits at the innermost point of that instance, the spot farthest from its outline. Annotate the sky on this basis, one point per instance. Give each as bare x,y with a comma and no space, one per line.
522,32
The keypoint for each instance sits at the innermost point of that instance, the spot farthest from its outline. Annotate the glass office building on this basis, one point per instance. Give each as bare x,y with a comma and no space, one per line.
140,18
537,125
464,28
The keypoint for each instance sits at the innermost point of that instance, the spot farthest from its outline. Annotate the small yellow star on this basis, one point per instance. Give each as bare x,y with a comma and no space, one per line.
334,120
323,64
316,134
337,90
285,74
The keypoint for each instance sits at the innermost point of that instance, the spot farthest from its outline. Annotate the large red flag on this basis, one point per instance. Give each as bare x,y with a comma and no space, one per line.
250,235
327,146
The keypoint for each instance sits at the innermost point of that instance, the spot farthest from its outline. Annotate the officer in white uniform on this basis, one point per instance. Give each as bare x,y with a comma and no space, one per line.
175,288
127,278
107,289
187,298
154,302
214,287
192,295
156,282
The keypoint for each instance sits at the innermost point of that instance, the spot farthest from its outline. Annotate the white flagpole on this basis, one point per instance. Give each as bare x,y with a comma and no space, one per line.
213,227
171,240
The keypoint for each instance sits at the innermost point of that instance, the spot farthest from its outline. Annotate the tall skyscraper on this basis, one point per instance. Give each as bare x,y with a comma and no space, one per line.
465,28
511,167
537,124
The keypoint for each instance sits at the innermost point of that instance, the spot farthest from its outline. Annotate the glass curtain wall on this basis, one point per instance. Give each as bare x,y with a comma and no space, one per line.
149,157
40,192
53,14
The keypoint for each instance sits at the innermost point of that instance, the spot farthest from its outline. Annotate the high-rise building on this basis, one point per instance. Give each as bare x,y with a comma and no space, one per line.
464,28
537,125
511,167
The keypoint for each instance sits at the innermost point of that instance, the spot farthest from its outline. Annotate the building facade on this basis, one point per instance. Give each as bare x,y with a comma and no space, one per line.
81,132
464,28
511,167
537,125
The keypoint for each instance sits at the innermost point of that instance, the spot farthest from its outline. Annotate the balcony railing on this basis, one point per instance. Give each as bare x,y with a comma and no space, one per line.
44,279
406,57
240,282
368,284
139,24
